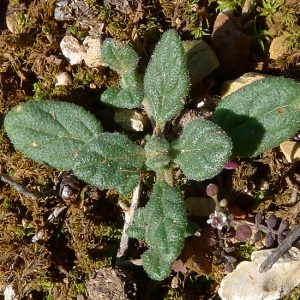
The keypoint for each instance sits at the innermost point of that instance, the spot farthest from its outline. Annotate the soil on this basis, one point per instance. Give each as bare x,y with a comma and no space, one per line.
64,245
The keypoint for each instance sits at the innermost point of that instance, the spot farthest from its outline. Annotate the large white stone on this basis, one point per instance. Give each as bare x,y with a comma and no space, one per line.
246,283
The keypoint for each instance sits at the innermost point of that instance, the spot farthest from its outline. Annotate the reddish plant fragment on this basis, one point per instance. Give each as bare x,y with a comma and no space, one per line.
179,266
212,190
231,165
243,233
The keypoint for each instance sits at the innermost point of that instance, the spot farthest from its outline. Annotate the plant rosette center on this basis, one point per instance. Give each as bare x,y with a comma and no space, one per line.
157,152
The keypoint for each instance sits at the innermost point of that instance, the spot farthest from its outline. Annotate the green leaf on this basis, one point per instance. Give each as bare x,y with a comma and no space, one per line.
164,218
130,96
201,60
123,59
51,132
109,161
156,266
120,57
261,115
157,152
138,230
166,80
202,150
191,228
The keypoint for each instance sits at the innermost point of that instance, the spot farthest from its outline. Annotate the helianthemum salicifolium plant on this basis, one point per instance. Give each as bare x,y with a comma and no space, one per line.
67,137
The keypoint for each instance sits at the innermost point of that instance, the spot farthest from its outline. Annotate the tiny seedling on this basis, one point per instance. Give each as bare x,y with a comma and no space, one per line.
67,137
223,218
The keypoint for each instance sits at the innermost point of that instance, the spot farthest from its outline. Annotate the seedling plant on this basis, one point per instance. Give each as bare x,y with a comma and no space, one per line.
65,136
222,218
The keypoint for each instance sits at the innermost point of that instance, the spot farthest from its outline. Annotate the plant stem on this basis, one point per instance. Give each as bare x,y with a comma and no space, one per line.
279,251
20,188
129,213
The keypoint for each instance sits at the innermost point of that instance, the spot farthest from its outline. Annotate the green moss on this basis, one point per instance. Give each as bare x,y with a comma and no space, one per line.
81,288
24,22
245,250
22,232
126,198
78,32
228,4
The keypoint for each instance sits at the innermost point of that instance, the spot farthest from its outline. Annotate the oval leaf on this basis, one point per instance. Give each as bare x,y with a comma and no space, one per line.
164,218
51,132
202,150
284,224
269,240
257,236
110,161
271,221
156,266
258,219
131,94
261,115
166,80
120,57
243,233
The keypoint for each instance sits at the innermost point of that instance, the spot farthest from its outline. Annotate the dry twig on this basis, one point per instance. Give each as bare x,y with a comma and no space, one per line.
129,212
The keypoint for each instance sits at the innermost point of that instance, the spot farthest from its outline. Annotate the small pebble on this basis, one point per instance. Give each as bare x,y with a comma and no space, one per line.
92,52
131,119
71,49
291,151
63,79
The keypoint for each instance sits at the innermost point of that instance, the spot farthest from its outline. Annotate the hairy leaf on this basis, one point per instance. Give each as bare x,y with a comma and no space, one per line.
164,218
51,132
166,80
156,266
120,57
138,230
131,94
157,152
261,115
202,150
123,59
109,161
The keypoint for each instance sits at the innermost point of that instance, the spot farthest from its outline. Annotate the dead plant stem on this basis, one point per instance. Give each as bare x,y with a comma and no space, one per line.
20,188
280,250
129,213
